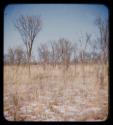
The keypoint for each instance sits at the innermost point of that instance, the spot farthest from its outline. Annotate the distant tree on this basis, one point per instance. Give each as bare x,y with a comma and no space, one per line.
94,53
103,38
28,27
84,44
43,52
75,51
19,55
65,50
11,55
6,59
53,53
15,56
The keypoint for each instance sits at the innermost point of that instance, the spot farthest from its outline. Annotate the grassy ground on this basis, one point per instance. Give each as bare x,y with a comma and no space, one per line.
55,94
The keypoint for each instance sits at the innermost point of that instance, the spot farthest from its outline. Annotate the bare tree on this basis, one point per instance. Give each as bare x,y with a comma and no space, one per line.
53,53
65,50
28,27
102,26
43,54
103,38
75,50
58,54
15,56
11,56
19,55
6,58
84,44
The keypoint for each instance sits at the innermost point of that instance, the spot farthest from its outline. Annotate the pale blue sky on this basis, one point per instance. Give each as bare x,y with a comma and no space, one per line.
59,21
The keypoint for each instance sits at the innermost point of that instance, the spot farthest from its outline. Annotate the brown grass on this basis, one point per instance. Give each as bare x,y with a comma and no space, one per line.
54,94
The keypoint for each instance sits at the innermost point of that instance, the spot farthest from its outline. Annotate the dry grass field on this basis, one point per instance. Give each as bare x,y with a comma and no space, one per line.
55,94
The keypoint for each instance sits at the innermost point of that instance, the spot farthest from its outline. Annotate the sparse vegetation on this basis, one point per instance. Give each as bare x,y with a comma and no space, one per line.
46,97
67,82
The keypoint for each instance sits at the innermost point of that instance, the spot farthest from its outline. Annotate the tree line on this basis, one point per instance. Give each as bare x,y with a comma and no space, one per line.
63,51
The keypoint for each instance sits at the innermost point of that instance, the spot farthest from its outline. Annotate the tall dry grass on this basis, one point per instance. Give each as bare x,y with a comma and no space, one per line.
55,94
